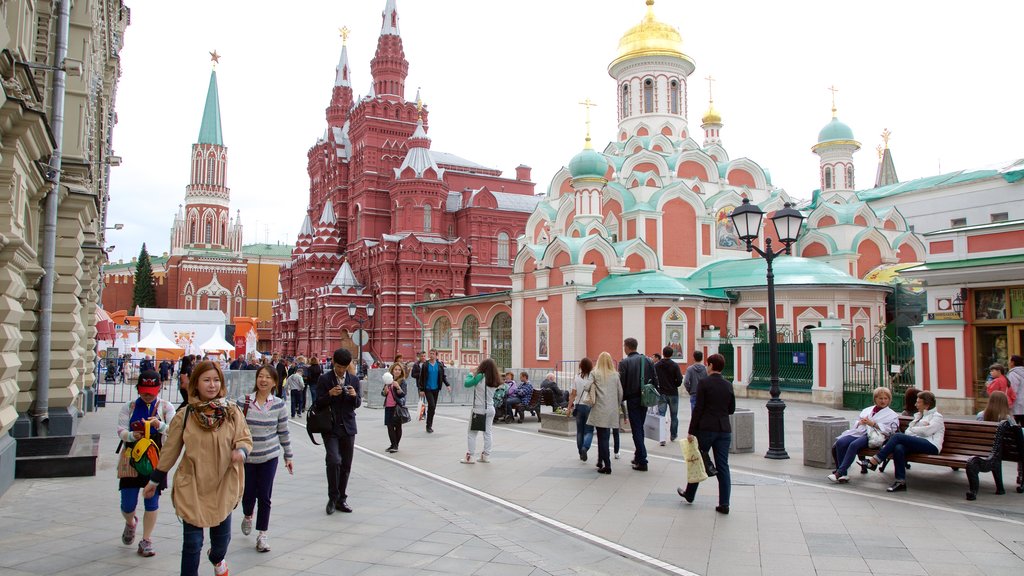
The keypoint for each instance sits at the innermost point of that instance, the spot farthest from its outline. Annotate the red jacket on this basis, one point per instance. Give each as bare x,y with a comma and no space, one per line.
1001,384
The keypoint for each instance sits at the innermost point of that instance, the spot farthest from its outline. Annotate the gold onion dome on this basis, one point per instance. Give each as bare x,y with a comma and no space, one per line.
650,38
711,116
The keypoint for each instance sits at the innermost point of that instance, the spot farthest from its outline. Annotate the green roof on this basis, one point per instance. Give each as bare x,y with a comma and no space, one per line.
751,272
153,260
210,132
277,250
645,284
588,163
987,226
937,181
968,263
835,130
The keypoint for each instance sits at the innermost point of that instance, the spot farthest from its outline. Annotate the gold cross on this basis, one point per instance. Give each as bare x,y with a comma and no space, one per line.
879,150
710,80
214,57
588,103
885,136
345,32
833,89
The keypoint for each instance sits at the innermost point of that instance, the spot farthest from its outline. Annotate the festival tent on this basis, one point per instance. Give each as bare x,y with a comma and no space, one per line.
159,345
217,343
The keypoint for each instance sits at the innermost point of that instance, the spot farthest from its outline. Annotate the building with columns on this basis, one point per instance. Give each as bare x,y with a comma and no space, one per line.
390,220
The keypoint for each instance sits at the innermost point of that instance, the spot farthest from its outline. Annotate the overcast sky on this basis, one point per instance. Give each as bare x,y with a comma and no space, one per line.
502,81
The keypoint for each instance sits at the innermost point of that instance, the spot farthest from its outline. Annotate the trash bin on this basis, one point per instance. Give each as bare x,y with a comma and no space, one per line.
742,423
820,433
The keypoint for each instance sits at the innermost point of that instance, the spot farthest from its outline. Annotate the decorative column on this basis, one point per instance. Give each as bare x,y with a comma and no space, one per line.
939,353
743,361
827,377
708,342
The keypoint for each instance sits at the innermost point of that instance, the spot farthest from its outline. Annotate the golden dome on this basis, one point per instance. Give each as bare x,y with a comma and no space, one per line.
711,116
650,38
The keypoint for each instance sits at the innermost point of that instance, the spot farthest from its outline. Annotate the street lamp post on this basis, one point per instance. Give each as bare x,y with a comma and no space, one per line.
352,310
747,221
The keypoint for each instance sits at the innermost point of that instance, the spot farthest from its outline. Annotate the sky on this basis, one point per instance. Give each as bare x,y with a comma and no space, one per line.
503,81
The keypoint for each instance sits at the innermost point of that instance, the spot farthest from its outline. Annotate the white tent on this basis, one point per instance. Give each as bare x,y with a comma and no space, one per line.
217,343
157,340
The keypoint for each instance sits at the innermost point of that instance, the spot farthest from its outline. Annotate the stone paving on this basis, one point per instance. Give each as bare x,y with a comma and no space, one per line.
537,509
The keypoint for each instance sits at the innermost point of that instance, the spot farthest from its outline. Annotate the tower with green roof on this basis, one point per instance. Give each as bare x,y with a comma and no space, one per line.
205,222
835,148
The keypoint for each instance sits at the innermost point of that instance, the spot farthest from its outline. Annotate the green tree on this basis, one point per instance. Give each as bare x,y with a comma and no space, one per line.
145,293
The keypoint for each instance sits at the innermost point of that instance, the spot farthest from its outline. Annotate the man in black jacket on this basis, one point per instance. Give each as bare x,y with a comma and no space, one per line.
631,369
709,423
341,391
670,377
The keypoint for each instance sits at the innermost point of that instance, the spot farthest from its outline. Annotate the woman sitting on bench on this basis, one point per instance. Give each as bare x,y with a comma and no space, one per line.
880,418
923,435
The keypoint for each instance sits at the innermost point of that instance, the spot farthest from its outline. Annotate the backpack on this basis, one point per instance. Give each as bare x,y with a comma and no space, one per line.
145,453
649,395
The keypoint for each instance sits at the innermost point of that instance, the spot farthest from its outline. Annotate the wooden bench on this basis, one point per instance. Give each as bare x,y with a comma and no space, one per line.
533,406
974,446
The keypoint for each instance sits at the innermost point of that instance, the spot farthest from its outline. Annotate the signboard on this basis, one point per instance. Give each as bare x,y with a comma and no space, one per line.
360,337
112,353
943,316
799,357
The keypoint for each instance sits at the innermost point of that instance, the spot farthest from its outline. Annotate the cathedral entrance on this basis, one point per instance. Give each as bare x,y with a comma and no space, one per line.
501,341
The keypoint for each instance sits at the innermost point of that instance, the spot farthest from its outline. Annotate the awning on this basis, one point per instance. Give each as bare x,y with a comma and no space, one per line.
217,343
889,274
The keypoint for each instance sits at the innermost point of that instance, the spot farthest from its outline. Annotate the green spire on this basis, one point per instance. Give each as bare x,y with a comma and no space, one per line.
210,132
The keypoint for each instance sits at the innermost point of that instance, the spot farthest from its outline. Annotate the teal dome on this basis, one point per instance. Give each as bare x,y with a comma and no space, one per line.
835,130
588,164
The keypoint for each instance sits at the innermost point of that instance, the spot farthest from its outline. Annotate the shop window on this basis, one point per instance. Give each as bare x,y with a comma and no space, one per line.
989,304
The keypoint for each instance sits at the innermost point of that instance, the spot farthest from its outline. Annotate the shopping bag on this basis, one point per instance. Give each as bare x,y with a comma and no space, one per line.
694,463
656,426
422,410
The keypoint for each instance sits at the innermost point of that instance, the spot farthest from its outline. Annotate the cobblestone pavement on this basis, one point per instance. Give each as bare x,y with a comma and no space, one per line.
537,509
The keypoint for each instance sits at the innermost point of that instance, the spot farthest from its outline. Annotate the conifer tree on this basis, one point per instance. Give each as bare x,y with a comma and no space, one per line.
145,294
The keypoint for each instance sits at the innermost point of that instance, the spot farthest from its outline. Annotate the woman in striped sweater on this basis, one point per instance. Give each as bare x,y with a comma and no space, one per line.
267,416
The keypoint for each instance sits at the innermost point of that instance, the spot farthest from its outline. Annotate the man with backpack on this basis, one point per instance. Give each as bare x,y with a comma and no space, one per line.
635,370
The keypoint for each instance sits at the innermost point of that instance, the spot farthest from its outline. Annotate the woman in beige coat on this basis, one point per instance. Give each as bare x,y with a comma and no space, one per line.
606,395
209,481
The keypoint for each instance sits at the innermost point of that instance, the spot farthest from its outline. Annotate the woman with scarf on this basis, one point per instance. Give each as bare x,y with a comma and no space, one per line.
215,439
131,425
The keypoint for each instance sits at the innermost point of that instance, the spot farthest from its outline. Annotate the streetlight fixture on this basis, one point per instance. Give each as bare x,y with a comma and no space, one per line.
114,227
958,304
352,311
747,221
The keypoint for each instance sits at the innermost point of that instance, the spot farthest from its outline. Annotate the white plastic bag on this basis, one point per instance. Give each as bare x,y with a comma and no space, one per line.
656,426
694,463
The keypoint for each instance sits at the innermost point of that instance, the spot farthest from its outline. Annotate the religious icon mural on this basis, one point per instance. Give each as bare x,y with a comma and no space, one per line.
724,230
542,336
675,330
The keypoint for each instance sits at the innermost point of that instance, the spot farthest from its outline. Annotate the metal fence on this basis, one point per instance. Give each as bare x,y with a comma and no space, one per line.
795,357
115,384
869,363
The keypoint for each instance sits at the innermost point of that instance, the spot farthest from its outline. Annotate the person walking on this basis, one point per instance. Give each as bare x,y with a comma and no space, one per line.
148,409
483,403
709,423
267,418
694,374
634,370
212,439
184,373
341,392
670,377
580,401
296,391
394,391
1016,378
606,392
431,377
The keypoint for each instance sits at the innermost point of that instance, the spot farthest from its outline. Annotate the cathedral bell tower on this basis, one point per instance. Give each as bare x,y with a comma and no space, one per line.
389,66
341,97
835,149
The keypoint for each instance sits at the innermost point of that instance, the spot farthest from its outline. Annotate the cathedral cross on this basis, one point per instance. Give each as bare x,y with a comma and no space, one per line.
588,103
344,32
885,136
710,79
833,90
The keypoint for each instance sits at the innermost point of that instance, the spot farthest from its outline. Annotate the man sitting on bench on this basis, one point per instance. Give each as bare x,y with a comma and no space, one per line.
559,399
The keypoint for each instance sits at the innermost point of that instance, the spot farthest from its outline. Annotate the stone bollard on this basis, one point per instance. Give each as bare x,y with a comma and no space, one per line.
742,423
820,433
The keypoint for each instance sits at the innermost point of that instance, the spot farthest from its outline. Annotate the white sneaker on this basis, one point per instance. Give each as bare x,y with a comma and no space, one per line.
483,458
468,459
246,525
221,568
616,455
838,479
263,543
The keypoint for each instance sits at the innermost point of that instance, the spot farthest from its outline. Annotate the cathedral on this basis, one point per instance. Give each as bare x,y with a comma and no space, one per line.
391,221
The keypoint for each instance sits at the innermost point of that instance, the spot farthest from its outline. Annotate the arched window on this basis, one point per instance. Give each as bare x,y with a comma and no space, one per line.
211,166
849,177
502,249
471,333
427,218
625,100
674,95
208,233
543,336
648,96
501,340
443,334
828,178
192,231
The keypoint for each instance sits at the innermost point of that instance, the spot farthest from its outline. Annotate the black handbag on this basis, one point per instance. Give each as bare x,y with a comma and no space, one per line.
478,422
402,413
709,468
319,421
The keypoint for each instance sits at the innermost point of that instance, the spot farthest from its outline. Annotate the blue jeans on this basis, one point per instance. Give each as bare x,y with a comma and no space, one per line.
192,545
297,401
718,444
671,403
693,402
637,414
584,433
898,446
844,451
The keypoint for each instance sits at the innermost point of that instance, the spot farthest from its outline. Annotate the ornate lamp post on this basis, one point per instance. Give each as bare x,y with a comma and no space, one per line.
747,221
958,303
352,310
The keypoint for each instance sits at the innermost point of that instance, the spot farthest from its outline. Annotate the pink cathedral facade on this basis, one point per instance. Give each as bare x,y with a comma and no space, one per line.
390,220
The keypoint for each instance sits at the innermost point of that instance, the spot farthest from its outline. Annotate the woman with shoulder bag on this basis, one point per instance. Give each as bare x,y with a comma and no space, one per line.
481,419
394,392
267,417
212,439
873,427
606,397
149,409
581,398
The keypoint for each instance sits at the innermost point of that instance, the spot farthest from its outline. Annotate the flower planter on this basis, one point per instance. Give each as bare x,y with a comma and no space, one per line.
558,424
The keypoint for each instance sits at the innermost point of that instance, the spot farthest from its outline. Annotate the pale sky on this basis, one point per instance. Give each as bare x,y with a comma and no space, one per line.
502,81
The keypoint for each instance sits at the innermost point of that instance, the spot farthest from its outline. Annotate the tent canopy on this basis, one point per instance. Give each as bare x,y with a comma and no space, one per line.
217,343
156,340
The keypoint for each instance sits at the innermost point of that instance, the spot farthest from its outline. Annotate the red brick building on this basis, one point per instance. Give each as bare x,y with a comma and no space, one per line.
390,221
